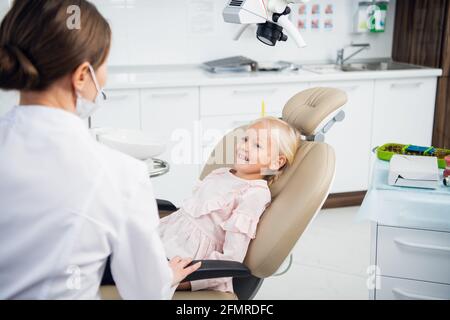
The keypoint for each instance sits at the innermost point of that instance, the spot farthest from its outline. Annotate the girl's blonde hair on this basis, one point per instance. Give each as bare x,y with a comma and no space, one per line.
289,139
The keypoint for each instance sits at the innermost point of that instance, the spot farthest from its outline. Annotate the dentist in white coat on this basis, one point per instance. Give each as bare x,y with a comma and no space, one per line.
66,202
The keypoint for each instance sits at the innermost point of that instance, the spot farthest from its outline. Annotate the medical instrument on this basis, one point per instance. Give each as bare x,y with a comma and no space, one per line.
271,16
386,151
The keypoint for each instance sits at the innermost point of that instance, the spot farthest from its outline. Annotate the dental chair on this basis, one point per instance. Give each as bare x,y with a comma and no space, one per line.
297,196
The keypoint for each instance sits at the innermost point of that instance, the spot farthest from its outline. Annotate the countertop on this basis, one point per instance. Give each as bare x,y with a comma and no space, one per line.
405,207
134,77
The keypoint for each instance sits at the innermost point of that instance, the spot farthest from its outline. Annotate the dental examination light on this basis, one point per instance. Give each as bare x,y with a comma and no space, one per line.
271,16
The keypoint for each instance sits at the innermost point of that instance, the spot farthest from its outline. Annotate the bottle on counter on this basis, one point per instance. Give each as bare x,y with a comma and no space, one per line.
377,12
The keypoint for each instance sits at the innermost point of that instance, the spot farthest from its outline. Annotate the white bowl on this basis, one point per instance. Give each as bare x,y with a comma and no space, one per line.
138,144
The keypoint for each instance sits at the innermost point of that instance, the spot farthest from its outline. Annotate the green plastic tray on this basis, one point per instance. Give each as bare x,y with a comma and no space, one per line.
386,151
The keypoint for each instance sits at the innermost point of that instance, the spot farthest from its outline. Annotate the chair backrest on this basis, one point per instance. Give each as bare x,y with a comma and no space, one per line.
300,191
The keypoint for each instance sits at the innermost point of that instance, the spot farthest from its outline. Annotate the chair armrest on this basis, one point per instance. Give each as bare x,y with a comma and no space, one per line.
164,205
218,269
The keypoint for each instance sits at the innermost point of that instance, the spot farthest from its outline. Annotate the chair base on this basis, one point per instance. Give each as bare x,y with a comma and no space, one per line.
247,288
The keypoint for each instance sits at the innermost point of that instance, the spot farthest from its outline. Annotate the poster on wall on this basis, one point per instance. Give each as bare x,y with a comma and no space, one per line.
314,16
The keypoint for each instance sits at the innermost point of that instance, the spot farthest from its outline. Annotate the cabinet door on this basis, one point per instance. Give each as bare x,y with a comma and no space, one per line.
406,289
351,138
174,115
8,99
404,111
120,110
414,254
247,99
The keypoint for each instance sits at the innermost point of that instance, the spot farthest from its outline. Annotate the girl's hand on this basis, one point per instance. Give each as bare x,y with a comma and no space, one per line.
179,269
185,286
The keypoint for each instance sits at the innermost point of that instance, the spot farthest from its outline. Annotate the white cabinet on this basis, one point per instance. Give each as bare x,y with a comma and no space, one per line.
247,99
351,138
411,263
8,99
404,289
414,254
120,110
174,115
404,111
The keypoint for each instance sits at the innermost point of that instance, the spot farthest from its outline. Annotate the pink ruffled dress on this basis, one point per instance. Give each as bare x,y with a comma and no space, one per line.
216,223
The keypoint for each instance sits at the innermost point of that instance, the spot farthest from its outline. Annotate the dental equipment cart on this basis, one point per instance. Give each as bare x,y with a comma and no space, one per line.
410,239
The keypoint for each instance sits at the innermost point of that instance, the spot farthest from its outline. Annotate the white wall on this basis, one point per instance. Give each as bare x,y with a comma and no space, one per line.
148,32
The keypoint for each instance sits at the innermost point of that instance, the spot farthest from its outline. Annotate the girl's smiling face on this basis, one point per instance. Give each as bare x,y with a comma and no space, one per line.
257,153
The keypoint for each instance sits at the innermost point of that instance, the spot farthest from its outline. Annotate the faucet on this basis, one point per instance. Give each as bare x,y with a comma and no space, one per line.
340,54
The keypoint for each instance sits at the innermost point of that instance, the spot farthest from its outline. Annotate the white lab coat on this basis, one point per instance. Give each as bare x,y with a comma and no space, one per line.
66,204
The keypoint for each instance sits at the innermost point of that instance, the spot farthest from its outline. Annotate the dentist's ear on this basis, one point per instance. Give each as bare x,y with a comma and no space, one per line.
80,76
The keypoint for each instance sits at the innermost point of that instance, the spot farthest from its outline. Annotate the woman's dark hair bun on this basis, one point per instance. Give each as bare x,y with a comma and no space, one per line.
38,45
17,72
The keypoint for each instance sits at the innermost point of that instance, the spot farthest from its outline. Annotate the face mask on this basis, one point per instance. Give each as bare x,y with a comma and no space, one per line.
84,107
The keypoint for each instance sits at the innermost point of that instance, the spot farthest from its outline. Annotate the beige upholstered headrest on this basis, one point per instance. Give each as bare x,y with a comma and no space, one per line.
308,109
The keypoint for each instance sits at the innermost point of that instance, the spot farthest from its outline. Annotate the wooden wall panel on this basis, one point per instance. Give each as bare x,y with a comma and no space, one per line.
422,37
441,133
419,26
445,65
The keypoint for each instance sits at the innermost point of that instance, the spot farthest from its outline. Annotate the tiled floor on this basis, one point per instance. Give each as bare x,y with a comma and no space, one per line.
330,261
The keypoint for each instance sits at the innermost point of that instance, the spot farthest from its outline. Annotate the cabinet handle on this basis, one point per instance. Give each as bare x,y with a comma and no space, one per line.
422,246
406,85
349,88
169,95
117,97
415,296
254,91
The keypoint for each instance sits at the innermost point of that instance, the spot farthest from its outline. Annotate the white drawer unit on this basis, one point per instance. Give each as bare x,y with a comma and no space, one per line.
403,289
414,254
173,113
411,263
247,99
120,110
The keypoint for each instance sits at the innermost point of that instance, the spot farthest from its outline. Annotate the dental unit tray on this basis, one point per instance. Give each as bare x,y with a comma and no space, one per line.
231,64
385,152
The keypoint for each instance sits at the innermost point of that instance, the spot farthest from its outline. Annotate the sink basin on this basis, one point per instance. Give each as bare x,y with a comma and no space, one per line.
377,66
138,144
359,67
323,68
